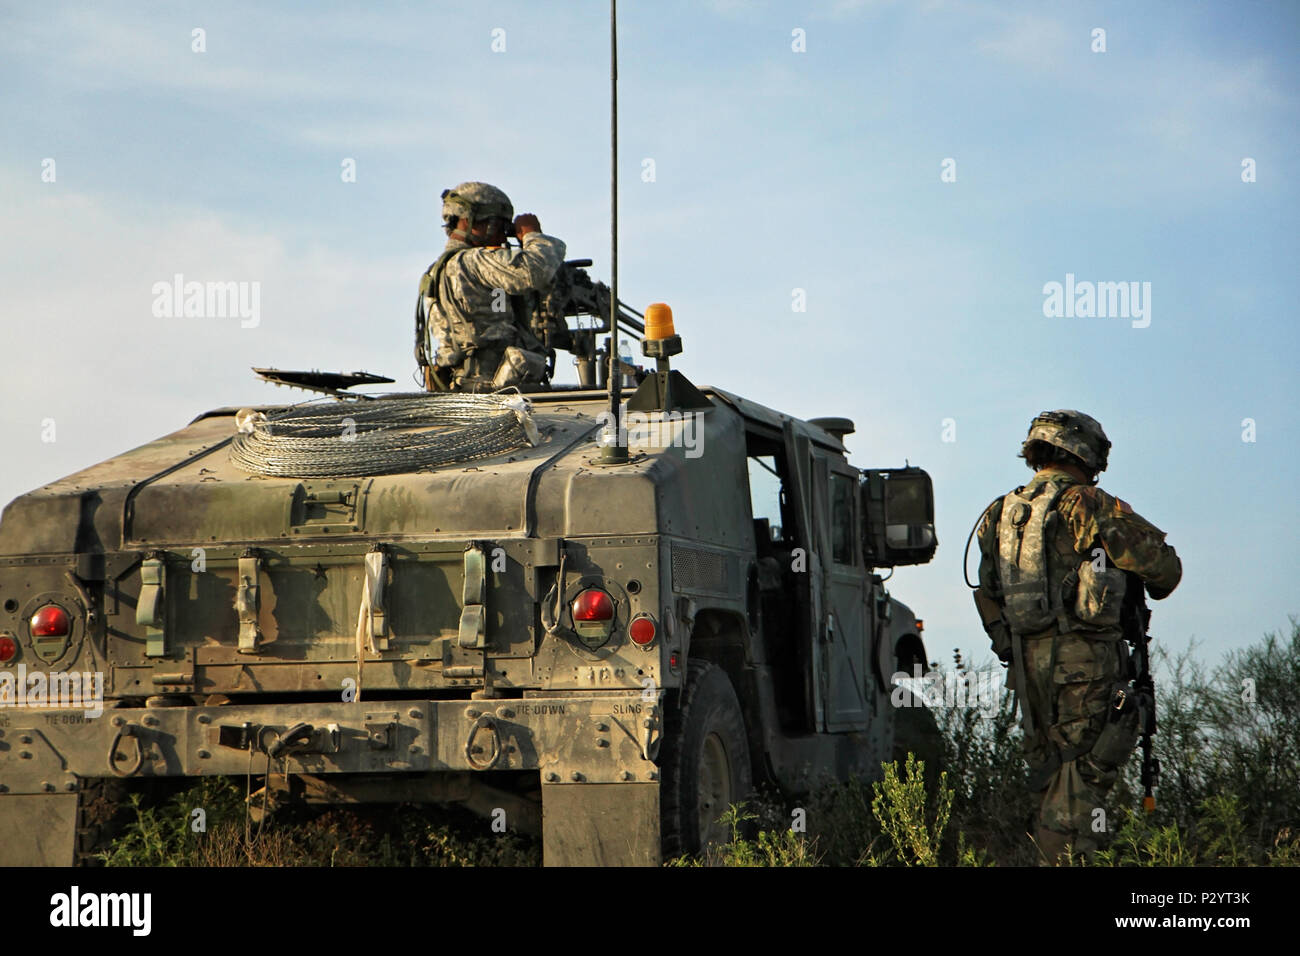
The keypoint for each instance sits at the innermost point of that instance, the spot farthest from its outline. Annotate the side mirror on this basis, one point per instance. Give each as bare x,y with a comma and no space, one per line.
898,505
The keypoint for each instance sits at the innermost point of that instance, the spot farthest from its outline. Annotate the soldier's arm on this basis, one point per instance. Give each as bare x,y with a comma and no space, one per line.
517,270
1131,542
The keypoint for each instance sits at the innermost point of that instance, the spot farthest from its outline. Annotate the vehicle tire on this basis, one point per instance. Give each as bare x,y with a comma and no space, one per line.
103,812
704,761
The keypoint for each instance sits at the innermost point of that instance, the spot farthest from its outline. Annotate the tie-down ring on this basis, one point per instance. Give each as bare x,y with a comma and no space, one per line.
474,753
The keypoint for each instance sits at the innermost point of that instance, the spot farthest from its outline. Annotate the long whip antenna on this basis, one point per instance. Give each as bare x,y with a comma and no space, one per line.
614,451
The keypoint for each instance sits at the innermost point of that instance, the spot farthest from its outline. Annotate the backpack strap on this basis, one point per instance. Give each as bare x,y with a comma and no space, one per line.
1050,521
432,278
429,283
1017,642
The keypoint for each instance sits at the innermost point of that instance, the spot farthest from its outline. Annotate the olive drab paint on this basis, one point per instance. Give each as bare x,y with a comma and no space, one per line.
222,609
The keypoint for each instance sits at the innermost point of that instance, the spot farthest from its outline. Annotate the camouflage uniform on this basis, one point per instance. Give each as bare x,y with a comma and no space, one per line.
472,316
1070,668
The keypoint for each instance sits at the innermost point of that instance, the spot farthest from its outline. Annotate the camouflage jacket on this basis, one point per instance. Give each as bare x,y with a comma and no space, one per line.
473,307
1092,519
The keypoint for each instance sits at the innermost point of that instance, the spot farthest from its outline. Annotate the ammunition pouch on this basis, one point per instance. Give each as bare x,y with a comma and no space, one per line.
1124,720
1099,597
519,365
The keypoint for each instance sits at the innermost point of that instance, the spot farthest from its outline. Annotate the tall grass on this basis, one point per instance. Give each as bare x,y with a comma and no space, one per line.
1229,795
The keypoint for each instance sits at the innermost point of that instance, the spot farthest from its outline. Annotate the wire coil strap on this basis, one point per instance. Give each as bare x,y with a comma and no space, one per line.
381,437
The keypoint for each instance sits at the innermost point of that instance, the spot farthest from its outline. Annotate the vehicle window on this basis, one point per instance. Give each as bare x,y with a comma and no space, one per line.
765,492
842,524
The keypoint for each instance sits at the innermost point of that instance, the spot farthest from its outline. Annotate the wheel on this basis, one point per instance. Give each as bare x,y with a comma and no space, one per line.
705,762
102,813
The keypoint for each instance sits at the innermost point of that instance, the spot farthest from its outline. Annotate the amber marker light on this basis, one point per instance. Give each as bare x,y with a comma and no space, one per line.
659,321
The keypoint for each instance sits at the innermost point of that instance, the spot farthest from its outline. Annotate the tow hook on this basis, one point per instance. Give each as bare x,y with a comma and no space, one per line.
651,733
297,739
478,757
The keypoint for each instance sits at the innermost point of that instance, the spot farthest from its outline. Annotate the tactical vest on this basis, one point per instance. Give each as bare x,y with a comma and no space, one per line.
467,330
1042,586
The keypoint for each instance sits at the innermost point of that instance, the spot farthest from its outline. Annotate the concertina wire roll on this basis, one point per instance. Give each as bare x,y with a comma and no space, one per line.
383,436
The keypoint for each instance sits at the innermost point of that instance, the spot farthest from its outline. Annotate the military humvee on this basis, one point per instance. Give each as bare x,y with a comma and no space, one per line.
610,653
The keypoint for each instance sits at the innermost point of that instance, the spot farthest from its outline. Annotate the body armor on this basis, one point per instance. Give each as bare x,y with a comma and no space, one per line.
1044,580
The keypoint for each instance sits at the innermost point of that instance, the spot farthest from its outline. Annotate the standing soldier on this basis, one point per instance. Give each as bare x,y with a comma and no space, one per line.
467,309
1057,556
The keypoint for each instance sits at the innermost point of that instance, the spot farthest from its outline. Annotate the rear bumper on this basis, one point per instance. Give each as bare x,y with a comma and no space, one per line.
581,738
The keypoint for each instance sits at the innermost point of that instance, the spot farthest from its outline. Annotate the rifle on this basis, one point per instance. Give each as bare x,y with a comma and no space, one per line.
1136,622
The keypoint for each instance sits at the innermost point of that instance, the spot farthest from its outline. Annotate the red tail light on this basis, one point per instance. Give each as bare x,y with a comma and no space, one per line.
50,621
8,649
593,604
642,631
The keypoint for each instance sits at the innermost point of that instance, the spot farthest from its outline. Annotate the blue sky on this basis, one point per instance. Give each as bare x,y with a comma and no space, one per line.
775,170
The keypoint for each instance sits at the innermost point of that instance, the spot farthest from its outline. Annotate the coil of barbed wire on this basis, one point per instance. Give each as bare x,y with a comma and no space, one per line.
381,437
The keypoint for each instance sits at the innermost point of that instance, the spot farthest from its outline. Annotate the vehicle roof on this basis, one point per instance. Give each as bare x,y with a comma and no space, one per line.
748,408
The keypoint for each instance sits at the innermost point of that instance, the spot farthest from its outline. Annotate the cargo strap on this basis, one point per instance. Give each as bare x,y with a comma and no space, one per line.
151,609
473,617
372,622
248,602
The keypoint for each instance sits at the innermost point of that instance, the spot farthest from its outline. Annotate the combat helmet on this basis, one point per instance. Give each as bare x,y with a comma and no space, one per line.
475,202
1079,434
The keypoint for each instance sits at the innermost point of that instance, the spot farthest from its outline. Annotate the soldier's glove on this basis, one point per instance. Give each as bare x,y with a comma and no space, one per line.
525,223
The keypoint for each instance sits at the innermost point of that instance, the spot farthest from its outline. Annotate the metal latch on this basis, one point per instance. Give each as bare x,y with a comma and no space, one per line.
247,603
151,609
300,738
326,507
238,737
473,617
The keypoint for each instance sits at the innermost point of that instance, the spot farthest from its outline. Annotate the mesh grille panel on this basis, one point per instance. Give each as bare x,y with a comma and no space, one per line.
695,570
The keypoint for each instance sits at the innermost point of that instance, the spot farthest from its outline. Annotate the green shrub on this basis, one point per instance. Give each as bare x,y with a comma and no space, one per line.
913,824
